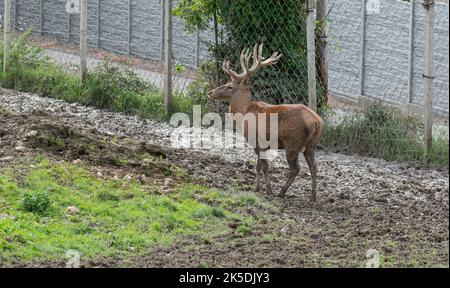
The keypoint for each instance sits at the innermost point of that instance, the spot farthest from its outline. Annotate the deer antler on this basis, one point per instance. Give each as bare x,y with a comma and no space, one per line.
258,62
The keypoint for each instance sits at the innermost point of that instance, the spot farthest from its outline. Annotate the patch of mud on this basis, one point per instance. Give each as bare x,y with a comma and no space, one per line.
31,134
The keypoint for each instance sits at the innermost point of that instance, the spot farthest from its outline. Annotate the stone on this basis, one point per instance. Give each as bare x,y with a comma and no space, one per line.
6,159
167,181
32,133
20,148
73,210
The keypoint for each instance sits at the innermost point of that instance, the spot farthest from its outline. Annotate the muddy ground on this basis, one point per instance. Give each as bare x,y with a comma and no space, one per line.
399,209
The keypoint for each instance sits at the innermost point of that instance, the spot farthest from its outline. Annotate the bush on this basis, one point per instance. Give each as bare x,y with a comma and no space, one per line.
37,202
108,86
382,132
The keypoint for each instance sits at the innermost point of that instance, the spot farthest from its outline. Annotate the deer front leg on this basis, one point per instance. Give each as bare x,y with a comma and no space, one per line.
265,168
294,169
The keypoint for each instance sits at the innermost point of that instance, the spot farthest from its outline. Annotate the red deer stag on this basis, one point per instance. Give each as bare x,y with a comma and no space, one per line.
299,128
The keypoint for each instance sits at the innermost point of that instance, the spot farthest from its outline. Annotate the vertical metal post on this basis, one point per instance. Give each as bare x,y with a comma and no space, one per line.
362,48
98,23
129,26
69,28
41,17
216,42
411,51
197,48
163,13
168,55
6,34
428,76
311,51
16,14
322,61
83,39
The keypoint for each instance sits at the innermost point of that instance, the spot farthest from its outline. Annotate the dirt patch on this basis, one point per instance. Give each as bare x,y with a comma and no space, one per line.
35,133
363,203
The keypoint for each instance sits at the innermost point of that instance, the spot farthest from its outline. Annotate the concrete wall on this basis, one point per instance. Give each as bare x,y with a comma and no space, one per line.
386,52
146,27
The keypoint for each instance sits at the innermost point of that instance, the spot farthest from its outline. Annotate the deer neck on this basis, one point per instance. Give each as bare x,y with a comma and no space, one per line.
240,101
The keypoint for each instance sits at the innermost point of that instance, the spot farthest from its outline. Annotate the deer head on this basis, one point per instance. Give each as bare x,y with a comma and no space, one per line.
239,85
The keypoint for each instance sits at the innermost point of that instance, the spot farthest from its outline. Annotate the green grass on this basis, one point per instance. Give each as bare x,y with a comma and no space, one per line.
107,86
116,217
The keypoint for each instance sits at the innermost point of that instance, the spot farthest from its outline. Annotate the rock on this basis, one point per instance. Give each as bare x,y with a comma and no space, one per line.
127,177
6,159
77,161
20,148
142,179
146,163
99,174
73,210
167,181
4,216
234,223
32,133
284,229
153,149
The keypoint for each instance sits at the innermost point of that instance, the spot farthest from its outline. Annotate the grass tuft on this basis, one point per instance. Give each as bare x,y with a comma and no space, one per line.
383,132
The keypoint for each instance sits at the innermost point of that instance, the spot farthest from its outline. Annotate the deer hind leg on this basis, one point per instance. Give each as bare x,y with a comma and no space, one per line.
258,175
294,169
309,157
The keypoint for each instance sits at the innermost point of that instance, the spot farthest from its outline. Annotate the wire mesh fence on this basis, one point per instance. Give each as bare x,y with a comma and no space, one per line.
370,49
282,28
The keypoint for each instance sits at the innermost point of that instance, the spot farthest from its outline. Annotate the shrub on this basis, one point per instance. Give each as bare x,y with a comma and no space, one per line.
37,202
107,86
379,131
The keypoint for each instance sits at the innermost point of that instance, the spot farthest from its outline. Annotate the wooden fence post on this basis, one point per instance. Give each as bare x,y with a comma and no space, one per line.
311,47
83,39
197,48
322,61
98,23
168,54
362,48
428,76
6,34
16,14
411,51
163,21
129,26
41,17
